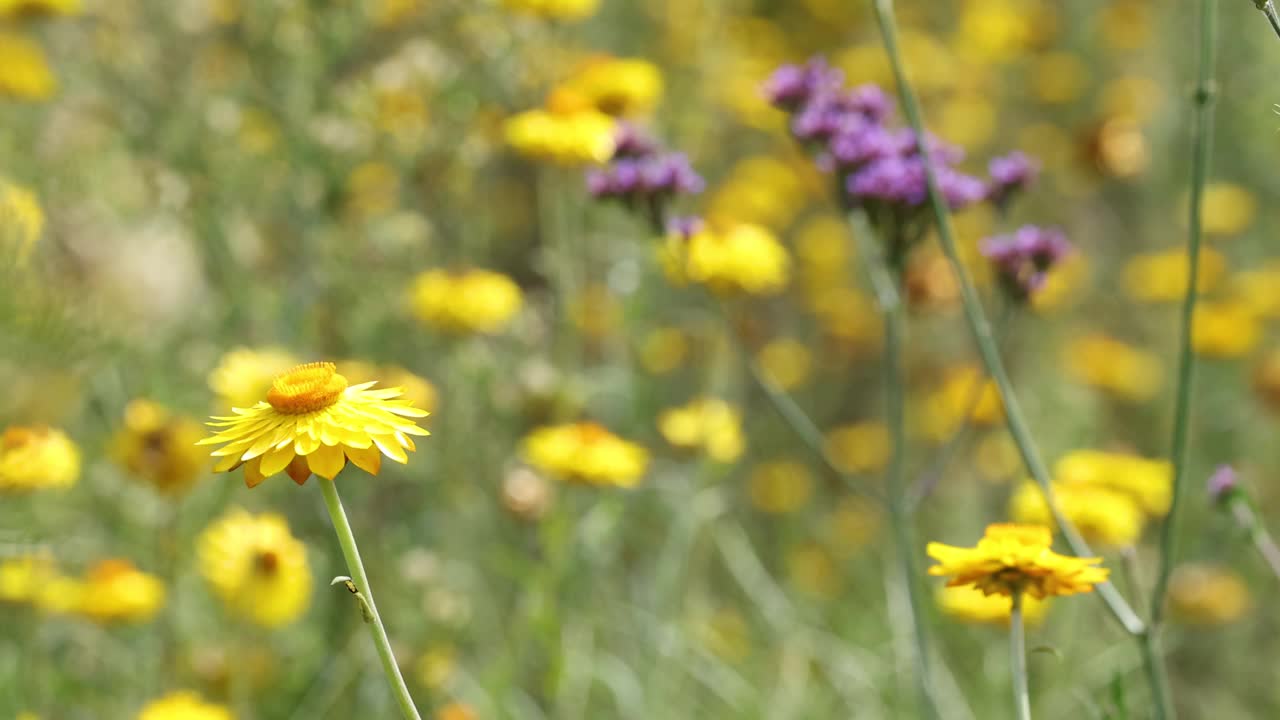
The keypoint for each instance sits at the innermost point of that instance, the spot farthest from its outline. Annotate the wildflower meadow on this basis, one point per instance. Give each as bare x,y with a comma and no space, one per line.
594,359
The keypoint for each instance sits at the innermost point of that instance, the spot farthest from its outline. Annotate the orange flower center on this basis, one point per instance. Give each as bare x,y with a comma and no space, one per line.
306,388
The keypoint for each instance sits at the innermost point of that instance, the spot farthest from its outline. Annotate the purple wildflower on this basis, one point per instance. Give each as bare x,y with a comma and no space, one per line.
685,227
901,180
1223,483
1010,175
634,179
631,141
792,86
1022,260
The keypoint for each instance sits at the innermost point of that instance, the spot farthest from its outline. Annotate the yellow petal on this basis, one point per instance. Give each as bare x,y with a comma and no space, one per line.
276,460
367,459
252,474
327,461
391,450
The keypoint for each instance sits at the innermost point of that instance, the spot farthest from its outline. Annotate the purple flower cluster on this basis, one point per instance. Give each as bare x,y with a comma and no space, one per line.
1010,175
1022,260
1223,484
643,175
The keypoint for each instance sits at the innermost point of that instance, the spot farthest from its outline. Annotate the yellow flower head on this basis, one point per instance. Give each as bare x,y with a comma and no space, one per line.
618,86
159,447
1162,276
37,457
30,9
257,568
243,376
578,137
23,577
1102,515
1208,595
313,422
745,259
116,591
859,447
1016,558
554,9
472,301
183,705
1225,329
780,487
1148,482
964,390
707,424
1114,367
785,362
587,453
419,391
1259,289
969,604
24,70
21,218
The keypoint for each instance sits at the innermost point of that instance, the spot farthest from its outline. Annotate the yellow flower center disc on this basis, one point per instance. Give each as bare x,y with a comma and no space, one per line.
306,388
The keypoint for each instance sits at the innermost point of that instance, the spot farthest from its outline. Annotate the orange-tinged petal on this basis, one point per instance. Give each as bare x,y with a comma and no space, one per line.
367,459
299,470
327,461
253,476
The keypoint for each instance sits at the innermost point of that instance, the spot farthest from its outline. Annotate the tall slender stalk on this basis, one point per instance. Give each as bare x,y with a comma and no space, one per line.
1268,8
1245,516
982,332
1018,660
351,552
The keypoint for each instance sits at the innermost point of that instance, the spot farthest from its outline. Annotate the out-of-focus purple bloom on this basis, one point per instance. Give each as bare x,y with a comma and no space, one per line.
684,228
856,146
1022,260
631,141
1010,175
871,101
941,152
901,180
793,86
1223,483
633,179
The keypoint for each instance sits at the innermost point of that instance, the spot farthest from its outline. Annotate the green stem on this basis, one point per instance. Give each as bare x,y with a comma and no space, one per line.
351,552
1157,676
981,329
1262,540
1201,144
1018,660
1268,8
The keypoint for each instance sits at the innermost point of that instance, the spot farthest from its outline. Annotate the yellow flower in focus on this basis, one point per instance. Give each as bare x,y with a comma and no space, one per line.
21,218
418,391
116,591
1102,515
969,604
1148,482
243,376
24,70
1110,365
313,422
618,86
36,458
1162,276
780,487
159,447
707,424
859,447
587,453
1225,329
257,568
183,705
965,391
664,350
554,9
1228,209
23,577
568,138
785,362
745,259
1016,558
29,9
471,301
1208,595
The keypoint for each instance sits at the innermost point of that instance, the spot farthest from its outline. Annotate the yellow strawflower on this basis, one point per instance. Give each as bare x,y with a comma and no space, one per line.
1229,209
1112,366
1102,515
1149,482
471,301
618,86
183,705
577,137
24,70
968,603
116,591
744,259
28,9
1162,276
37,457
1225,329
159,447
256,567
965,390
859,447
22,577
21,218
706,424
587,453
313,422
1016,558
243,376
554,9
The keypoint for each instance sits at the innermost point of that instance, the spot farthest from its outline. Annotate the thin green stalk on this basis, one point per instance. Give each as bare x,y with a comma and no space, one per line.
1268,8
351,552
1157,676
1201,146
1243,512
981,328
1018,660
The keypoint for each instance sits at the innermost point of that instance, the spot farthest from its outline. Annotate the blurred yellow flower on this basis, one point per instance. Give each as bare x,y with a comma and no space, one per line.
969,604
1208,595
848,317
1059,77
664,350
554,9
313,422
159,447
785,362
183,705
759,190
23,577
436,667
587,453
708,424
372,188
812,570
965,391
37,457
746,259
243,376
1266,379
21,219
997,457
996,31
852,524
116,591
1016,558
1259,289
470,301
595,311
1127,24
1162,276
256,567
23,9
726,635
24,70
1228,209
1149,482
568,138
1102,515
418,391
1225,329
457,711
392,13
780,487
822,253
1119,147
618,86
1110,365
859,447
968,119
1136,96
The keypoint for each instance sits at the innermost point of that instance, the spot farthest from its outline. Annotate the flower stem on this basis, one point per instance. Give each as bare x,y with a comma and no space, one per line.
351,552
1018,660
1262,540
1268,8
1201,144
981,329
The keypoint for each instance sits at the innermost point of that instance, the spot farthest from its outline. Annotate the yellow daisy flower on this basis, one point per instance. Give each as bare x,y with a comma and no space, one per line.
183,705
313,422
576,137
586,452
472,301
37,457
256,566
1103,515
1016,558
746,259
22,577
159,447
116,591
968,603
708,424
618,86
